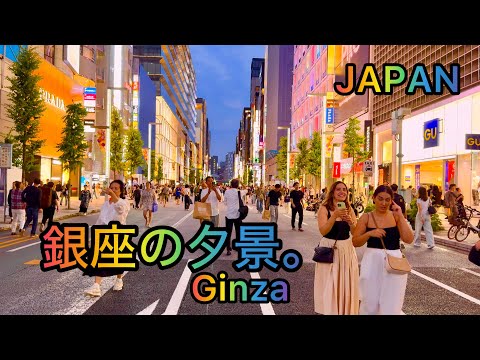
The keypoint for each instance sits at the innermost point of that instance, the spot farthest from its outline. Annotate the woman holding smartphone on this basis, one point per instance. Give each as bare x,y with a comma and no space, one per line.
336,284
115,209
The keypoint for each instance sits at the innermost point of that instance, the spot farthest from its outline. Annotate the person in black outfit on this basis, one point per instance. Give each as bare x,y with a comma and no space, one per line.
272,202
32,195
136,195
399,200
296,197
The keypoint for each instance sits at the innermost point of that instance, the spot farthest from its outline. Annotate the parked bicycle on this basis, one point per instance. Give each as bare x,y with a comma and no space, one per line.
463,230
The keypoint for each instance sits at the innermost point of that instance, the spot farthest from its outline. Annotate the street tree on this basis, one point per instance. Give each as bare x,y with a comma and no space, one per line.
282,159
72,146
117,144
314,158
250,177
191,177
134,151
198,176
25,109
245,176
301,160
353,144
159,170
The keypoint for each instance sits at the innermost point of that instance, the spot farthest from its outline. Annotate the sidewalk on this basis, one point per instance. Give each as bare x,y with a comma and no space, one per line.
63,213
441,237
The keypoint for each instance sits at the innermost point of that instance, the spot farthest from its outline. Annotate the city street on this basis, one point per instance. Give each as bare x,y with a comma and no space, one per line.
443,281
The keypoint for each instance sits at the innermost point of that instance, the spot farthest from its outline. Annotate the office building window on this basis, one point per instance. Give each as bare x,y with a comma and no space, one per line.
49,53
88,52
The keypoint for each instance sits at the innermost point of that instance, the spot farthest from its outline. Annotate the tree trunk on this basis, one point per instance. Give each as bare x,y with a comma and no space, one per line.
24,150
69,189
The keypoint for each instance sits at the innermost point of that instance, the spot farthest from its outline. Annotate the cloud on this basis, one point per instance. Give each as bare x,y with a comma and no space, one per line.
204,59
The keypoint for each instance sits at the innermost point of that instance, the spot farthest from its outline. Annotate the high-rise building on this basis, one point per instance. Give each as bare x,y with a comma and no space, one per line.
257,71
214,164
201,135
229,166
278,101
170,68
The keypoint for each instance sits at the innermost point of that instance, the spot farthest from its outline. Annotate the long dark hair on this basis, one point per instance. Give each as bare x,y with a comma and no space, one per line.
422,193
329,201
122,187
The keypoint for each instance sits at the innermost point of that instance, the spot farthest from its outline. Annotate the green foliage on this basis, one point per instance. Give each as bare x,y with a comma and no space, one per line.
134,153
315,156
282,159
369,208
159,172
117,143
25,109
354,143
198,176
436,222
245,175
191,177
250,177
72,145
301,160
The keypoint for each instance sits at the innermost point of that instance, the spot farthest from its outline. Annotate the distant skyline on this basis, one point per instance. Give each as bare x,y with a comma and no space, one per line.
223,80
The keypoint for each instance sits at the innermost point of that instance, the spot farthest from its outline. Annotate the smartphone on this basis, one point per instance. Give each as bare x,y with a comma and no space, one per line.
341,205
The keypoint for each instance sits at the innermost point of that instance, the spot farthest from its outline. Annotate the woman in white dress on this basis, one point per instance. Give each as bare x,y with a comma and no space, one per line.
381,292
115,209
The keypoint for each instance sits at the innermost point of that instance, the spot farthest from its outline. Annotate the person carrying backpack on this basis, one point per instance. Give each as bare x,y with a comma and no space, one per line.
48,203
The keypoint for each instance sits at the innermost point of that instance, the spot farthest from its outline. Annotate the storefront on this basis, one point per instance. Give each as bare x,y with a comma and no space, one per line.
58,91
383,154
436,147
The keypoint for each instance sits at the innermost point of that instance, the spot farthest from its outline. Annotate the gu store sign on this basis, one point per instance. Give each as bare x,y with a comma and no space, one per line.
430,133
472,141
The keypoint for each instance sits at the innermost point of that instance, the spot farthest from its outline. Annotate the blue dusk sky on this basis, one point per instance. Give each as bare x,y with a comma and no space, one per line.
223,80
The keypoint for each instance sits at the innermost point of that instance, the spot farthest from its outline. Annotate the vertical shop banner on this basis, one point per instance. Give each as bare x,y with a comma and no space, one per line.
336,169
445,176
417,176
430,133
368,134
329,146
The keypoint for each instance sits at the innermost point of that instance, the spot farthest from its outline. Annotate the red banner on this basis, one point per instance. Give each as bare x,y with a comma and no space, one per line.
336,169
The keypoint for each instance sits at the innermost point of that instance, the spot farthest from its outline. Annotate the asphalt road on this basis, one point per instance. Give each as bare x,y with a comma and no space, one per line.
442,281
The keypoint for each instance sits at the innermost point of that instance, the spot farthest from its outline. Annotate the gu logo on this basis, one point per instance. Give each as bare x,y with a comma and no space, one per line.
430,133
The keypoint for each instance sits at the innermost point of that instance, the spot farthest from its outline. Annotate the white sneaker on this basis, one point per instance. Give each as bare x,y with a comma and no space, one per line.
118,284
94,290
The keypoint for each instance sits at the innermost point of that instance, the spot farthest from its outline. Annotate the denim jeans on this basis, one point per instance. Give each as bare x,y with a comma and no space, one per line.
32,214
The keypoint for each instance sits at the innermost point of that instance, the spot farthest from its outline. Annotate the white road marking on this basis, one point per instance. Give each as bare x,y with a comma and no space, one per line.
449,288
470,271
267,309
149,309
176,299
182,219
24,246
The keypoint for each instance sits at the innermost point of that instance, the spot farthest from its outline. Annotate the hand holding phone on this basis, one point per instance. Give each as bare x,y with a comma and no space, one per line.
341,205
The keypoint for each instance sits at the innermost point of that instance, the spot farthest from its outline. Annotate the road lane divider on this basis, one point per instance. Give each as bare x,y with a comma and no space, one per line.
446,287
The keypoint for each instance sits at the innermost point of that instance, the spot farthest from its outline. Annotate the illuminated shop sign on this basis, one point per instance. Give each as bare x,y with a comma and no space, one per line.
51,99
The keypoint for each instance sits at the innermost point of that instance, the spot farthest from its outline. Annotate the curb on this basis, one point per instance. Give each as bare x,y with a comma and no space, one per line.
63,217
453,244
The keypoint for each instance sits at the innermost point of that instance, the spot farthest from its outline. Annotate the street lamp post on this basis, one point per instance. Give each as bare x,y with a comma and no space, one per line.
397,117
288,151
149,155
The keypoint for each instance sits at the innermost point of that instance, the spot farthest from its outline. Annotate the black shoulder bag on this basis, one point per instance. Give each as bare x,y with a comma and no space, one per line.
324,254
243,210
